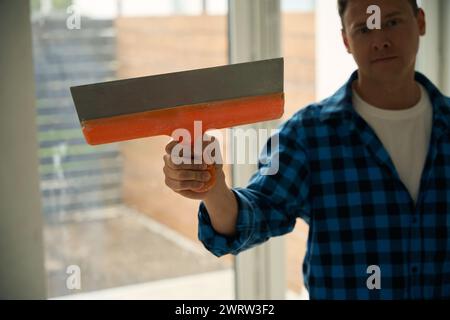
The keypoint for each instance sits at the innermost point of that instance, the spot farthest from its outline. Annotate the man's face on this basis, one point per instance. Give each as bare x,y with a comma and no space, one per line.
389,53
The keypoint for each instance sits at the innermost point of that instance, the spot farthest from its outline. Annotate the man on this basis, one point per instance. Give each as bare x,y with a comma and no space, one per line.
368,169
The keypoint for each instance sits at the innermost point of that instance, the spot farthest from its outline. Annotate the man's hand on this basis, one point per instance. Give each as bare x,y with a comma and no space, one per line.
189,179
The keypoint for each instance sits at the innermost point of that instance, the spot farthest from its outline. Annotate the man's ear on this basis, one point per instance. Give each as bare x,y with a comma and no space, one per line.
345,40
421,22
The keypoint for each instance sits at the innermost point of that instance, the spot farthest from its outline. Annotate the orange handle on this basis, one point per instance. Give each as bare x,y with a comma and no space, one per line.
215,115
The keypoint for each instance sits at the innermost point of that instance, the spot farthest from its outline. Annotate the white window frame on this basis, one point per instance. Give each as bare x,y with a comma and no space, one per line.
255,34
22,272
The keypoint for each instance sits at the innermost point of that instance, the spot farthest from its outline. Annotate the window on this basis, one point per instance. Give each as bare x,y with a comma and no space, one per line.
109,218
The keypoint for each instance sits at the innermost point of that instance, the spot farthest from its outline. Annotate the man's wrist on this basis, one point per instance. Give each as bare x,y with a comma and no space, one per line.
219,191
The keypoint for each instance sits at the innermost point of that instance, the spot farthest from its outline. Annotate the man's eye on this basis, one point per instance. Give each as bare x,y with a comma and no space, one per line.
364,30
391,23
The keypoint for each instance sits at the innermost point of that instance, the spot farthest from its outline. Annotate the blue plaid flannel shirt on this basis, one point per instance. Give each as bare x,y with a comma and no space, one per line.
336,175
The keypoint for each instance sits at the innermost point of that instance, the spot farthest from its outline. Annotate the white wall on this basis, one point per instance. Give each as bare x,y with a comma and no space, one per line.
445,38
22,274
428,59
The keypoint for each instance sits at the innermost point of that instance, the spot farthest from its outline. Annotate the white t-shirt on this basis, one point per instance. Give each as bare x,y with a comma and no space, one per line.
405,134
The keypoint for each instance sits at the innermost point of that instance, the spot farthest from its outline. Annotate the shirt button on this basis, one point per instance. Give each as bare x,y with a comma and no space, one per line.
414,269
414,220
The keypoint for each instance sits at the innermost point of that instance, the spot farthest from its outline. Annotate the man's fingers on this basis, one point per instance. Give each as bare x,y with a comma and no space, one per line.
183,185
206,141
187,175
183,166
196,154
170,146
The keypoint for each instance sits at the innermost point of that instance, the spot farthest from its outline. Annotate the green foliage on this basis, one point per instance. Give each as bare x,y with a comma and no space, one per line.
57,5
61,5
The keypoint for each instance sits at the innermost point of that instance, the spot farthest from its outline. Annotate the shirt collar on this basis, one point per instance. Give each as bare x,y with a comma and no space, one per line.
340,106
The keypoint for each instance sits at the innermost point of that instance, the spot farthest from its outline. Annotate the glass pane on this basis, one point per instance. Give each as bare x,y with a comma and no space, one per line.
112,227
298,42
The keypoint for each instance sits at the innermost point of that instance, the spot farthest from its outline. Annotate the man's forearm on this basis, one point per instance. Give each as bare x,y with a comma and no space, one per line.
222,207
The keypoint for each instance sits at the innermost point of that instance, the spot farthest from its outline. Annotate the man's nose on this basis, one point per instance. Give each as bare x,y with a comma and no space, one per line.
380,41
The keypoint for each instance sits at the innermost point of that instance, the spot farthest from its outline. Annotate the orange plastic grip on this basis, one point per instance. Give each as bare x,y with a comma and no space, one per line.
214,115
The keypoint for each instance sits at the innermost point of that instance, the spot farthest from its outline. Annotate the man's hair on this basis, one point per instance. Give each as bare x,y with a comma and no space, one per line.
342,5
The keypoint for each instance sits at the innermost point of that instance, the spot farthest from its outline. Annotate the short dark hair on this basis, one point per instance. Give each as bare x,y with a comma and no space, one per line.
342,5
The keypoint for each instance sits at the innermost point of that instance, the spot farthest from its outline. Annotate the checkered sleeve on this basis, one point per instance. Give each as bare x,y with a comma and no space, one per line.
275,196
